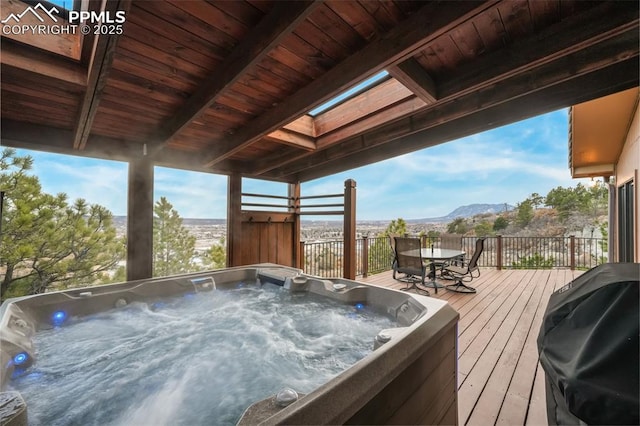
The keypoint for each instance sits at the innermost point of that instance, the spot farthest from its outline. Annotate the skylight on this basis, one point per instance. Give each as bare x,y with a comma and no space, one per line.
355,90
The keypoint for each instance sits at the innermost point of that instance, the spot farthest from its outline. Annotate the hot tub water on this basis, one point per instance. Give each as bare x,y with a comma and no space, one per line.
201,358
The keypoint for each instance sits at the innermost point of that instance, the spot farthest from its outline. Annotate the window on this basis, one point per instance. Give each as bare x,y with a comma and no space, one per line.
625,222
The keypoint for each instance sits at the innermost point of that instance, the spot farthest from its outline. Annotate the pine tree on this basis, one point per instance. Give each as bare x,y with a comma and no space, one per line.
47,243
173,245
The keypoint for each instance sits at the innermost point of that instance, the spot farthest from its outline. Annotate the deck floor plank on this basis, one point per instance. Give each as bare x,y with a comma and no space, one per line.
499,378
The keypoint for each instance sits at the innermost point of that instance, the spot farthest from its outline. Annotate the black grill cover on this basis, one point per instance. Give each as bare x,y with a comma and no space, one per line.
588,347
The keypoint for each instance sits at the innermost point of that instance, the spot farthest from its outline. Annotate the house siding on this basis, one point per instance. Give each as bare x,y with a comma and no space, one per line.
627,169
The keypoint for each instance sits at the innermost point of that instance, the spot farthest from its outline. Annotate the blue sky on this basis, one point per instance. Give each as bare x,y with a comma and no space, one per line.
503,165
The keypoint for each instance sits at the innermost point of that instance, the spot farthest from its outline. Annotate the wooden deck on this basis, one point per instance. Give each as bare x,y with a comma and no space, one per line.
499,378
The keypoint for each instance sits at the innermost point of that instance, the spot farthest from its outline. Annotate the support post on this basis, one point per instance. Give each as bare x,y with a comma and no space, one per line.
349,244
301,256
499,252
294,208
572,252
234,219
365,256
140,220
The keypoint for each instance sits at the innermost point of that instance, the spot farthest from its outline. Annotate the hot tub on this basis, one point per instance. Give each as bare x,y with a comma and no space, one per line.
408,378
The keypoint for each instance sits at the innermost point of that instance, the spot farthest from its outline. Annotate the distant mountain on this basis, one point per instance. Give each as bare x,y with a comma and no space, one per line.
466,211
462,211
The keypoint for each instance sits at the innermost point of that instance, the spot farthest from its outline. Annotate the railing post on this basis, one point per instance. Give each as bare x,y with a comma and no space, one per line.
365,256
301,256
499,252
349,245
572,252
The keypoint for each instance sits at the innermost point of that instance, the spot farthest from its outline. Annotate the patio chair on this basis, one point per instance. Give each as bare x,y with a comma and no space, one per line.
465,272
453,242
409,262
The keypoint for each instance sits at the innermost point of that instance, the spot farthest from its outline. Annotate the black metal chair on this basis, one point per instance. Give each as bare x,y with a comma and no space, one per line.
409,261
465,272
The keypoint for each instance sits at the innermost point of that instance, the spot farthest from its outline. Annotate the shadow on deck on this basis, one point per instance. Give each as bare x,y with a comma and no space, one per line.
499,378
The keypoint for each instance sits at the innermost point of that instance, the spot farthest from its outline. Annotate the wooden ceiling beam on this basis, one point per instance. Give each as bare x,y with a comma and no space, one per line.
415,78
295,140
99,67
369,102
430,22
497,68
39,137
269,32
567,93
541,78
382,117
303,125
38,62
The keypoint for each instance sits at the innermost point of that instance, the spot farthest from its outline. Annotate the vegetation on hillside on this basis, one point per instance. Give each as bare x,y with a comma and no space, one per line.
49,243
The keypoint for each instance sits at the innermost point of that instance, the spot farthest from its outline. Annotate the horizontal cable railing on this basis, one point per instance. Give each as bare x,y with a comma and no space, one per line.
374,255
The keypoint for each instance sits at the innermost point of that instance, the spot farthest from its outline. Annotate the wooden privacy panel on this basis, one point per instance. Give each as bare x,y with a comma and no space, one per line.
265,237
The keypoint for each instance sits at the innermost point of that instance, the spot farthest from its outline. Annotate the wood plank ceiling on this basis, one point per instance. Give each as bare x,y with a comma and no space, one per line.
227,86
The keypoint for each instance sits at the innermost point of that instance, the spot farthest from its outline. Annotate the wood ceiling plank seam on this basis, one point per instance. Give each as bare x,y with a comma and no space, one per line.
135,84
262,5
283,84
233,93
211,15
23,77
154,53
399,43
54,97
352,13
447,52
314,36
134,65
379,14
516,18
263,38
99,67
490,97
237,105
219,109
336,28
293,61
186,39
165,10
541,49
115,91
260,84
130,90
283,71
37,62
544,13
112,104
495,39
307,52
467,40
265,98
243,12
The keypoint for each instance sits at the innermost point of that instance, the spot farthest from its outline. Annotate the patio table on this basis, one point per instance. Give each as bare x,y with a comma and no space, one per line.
435,255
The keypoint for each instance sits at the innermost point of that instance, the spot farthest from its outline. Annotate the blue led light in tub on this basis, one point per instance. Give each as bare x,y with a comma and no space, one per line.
21,358
58,317
359,306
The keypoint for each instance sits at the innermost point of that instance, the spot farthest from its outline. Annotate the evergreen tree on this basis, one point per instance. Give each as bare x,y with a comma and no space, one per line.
45,242
458,226
216,256
525,213
173,245
500,223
